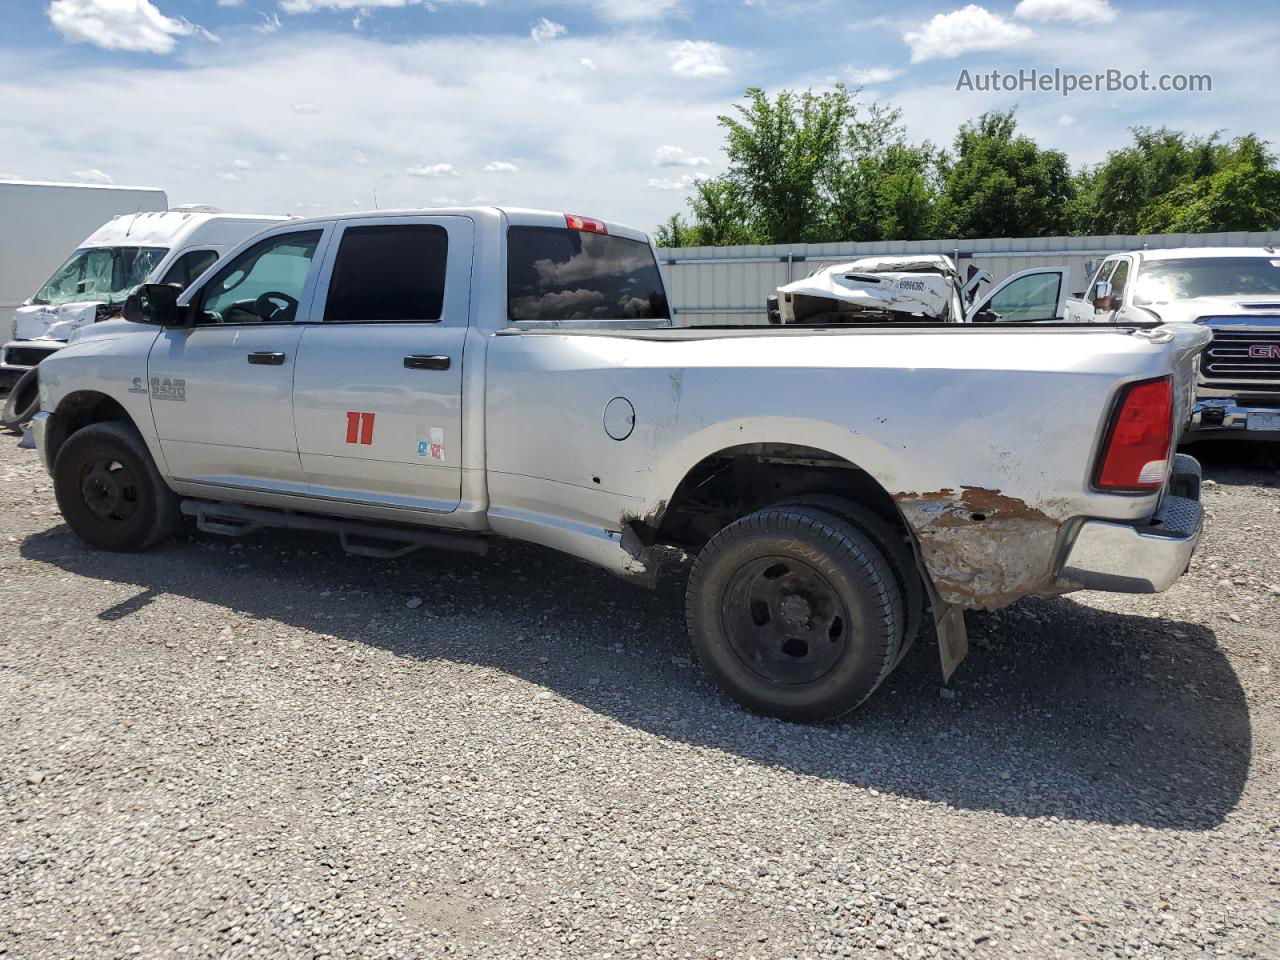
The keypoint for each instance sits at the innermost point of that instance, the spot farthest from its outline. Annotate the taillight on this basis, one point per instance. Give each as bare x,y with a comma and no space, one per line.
1136,454
584,223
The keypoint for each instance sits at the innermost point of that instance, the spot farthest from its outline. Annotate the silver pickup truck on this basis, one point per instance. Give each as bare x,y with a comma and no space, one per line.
1232,291
438,378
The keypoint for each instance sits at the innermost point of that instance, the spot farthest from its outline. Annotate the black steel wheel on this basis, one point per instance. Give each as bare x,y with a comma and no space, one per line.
109,490
795,612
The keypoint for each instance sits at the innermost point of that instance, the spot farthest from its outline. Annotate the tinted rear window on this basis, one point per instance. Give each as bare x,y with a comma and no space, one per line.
388,273
560,274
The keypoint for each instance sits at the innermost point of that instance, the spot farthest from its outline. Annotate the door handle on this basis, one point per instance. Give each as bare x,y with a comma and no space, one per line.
419,362
267,358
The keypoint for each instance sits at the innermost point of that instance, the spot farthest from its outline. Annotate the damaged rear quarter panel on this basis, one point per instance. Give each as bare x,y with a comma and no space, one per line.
983,549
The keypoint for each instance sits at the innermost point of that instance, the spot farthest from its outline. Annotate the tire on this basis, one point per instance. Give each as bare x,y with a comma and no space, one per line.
23,401
109,490
890,543
795,613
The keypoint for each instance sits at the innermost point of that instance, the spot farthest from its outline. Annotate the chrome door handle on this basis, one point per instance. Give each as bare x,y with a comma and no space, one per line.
267,358
419,362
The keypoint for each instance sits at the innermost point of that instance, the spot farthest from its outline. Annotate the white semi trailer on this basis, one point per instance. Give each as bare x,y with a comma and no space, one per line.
40,223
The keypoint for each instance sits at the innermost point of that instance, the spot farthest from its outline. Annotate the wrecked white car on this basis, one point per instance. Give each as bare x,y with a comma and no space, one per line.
920,288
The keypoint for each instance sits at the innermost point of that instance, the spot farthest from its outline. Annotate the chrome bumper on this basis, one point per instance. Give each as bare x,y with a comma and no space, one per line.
39,427
1230,416
1141,558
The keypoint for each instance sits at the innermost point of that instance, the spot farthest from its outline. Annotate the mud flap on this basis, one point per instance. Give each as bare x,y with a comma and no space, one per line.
953,637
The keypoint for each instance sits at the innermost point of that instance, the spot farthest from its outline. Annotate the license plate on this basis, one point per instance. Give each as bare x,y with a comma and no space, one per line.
1263,421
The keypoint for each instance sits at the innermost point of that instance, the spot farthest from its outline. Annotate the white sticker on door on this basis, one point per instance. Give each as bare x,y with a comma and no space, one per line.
434,447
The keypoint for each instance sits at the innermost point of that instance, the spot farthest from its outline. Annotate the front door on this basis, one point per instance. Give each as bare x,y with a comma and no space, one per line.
1036,295
378,386
222,388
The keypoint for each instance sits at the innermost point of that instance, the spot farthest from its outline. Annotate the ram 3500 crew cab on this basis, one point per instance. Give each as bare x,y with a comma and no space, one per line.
437,378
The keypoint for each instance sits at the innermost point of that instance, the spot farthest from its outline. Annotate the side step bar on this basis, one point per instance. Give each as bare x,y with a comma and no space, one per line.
360,538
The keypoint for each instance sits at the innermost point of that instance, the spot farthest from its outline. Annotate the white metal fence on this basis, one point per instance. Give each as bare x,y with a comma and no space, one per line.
717,285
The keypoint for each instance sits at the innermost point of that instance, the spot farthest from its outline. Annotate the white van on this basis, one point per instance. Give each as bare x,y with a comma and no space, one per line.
169,246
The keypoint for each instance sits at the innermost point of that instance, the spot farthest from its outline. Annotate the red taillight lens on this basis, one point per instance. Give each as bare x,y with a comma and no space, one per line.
1136,455
584,223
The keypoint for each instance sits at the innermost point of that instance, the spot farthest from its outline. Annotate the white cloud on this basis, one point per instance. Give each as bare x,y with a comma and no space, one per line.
967,30
269,24
681,183
1066,120
360,159
133,25
634,9
92,175
1073,11
501,166
586,62
354,94
242,164
869,76
432,170
230,177
283,158
231,3
696,58
546,29
669,156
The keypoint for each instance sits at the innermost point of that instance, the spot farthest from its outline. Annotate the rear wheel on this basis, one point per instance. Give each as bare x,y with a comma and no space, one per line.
23,401
795,612
109,490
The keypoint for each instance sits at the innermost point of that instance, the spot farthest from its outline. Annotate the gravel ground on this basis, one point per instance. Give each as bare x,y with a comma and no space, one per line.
270,749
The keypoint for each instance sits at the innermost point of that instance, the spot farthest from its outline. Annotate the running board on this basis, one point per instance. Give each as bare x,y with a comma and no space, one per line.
360,538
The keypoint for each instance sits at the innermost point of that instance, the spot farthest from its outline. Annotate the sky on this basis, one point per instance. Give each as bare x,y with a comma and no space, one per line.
605,108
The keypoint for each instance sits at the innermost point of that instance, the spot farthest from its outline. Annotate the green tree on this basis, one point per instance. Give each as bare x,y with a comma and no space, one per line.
1000,183
1113,195
1243,193
673,232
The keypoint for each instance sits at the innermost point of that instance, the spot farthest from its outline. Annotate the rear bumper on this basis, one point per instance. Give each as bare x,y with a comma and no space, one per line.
1231,417
1141,558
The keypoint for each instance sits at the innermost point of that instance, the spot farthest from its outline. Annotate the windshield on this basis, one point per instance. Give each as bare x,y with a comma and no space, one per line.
1163,280
106,274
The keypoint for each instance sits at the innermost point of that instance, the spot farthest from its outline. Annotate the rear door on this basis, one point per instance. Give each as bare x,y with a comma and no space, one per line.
1036,295
222,389
378,385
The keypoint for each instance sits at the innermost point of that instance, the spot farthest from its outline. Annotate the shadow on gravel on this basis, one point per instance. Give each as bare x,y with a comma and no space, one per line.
1061,709
1234,462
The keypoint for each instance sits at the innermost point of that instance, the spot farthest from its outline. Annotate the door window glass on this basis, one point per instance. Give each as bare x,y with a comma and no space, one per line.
1033,297
263,284
389,273
189,266
1118,280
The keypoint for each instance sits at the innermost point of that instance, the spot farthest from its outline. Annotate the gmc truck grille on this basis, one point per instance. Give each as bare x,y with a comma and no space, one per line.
1236,355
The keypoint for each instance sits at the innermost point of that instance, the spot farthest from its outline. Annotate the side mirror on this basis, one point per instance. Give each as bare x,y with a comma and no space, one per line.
156,304
1102,295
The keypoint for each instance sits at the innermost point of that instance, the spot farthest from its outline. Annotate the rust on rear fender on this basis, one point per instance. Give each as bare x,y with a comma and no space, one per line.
982,549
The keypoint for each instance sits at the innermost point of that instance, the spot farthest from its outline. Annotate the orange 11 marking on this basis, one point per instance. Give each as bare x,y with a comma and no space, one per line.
360,428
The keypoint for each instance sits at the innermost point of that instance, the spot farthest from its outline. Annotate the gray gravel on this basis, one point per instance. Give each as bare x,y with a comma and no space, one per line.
270,749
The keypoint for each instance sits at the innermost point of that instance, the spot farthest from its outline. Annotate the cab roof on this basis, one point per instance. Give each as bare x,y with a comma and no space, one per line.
515,216
1197,253
163,228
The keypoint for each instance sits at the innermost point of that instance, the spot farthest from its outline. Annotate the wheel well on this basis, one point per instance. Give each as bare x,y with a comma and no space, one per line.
739,480
77,411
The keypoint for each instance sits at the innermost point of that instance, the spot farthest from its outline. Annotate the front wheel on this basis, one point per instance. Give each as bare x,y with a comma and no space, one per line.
795,612
109,490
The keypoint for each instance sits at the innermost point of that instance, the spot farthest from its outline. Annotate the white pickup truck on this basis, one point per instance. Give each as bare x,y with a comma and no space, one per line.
1235,293
438,378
